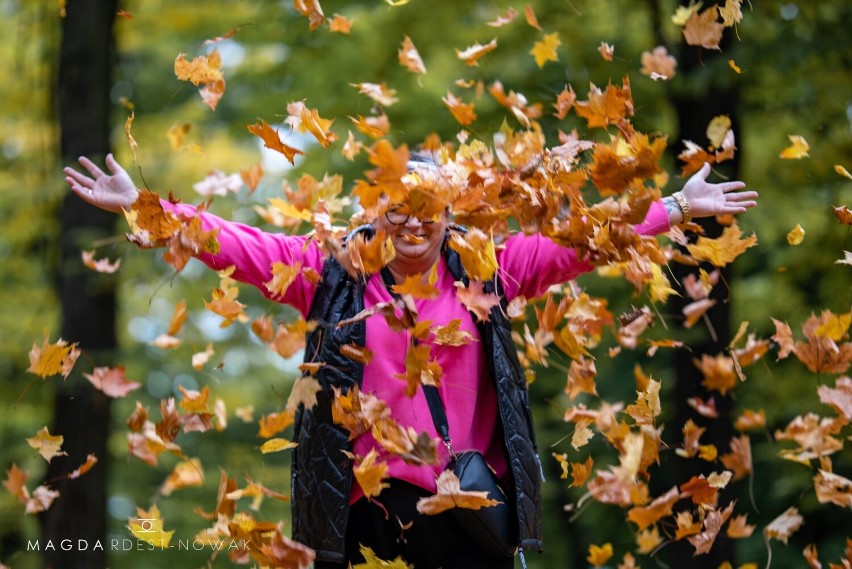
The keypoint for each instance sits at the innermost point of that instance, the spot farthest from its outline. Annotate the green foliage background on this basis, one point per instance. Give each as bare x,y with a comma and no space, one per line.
796,65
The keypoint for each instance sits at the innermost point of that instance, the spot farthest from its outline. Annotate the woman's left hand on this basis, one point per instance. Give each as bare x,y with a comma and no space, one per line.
706,199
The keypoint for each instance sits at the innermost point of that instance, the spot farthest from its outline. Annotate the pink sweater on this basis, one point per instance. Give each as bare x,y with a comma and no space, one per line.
528,265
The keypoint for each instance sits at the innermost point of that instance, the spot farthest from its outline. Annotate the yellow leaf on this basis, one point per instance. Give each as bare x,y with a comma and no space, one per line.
733,65
660,288
52,359
717,129
371,474
834,327
277,445
545,50
798,149
842,171
148,527
185,475
724,249
598,556
46,444
290,210
796,235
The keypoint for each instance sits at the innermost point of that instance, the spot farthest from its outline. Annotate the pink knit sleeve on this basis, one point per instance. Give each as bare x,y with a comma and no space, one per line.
529,264
252,253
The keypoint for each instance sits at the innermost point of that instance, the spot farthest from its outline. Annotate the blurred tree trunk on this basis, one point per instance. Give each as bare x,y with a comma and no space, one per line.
707,96
81,413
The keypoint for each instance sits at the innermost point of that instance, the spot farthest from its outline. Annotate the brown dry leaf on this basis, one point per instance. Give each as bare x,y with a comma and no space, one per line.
283,276
312,10
471,54
839,397
750,420
101,265
699,489
738,461
111,381
15,483
477,252
843,215
224,303
410,58
272,141
418,285
41,499
289,338
380,93
648,540
564,101
704,29
718,372
833,488
371,473
798,148
608,107
606,51
644,516
304,392
713,523
186,474
358,353
782,527
46,444
476,300
738,528
545,50
368,256
685,525
501,21
450,495
252,175
274,423
51,359
200,359
91,460
811,556
340,24
581,378
704,408
658,64
374,127
580,472
724,249
463,112
310,121
531,18
451,335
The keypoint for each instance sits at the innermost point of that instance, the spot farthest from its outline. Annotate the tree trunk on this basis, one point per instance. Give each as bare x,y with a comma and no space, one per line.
82,414
695,108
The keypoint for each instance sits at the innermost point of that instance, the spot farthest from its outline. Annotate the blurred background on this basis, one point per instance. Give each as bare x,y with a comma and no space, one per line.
73,72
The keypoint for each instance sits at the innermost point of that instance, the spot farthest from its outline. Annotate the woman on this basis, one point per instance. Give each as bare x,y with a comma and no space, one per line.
483,388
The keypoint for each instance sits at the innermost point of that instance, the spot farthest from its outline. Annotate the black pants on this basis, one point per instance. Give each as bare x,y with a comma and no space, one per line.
396,529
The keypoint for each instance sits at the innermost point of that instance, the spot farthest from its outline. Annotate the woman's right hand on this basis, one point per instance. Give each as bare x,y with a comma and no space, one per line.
112,192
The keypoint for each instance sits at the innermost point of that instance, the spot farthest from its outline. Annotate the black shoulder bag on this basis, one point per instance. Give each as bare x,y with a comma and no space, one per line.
493,528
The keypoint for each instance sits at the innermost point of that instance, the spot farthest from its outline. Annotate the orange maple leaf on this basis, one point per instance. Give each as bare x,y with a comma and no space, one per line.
644,516
474,52
272,141
340,24
371,473
658,64
47,445
410,58
312,10
476,300
101,265
606,107
463,112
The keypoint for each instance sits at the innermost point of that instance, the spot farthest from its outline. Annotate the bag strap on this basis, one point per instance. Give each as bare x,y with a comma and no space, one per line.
433,396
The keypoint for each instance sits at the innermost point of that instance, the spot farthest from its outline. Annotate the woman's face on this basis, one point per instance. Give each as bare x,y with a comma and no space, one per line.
417,242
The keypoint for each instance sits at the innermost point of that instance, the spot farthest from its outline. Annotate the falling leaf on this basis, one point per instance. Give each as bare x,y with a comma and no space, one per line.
380,93
274,423
271,140
463,112
46,444
111,381
476,300
731,13
51,359
374,562
713,522
724,249
782,527
147,526
91,461
599,555
531,18
564,101
101,265
843,215
374,127
796,235
450,495
200,359
798,149
644,516
738,528
130,140
340,24
833,488
283,276
371,474
545,50
304,393
41,499
842,171
312,10
611,106
704,30
15,483
217,183
358,353
658,61
648,540
471,55
277,445
732,64
186,474
606,51
252,175
410,58
839,397
501,21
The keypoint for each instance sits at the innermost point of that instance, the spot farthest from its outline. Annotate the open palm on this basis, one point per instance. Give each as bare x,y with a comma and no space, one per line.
707,199
113,192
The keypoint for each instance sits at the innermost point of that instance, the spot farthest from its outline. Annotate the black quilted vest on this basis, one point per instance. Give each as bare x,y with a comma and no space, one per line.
322,474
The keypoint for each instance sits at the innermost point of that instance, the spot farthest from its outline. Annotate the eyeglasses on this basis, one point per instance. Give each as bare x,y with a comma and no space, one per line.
396,217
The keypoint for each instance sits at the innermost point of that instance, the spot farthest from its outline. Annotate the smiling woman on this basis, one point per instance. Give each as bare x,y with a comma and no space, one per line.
453,340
